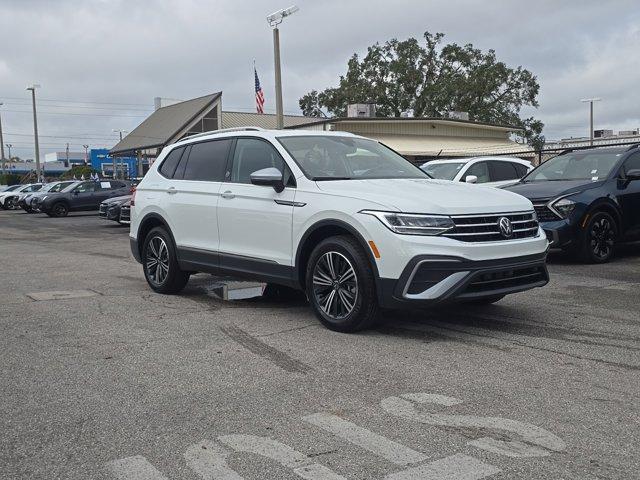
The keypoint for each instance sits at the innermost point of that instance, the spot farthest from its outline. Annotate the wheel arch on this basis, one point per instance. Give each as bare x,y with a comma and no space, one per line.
149,222
318,232
603,205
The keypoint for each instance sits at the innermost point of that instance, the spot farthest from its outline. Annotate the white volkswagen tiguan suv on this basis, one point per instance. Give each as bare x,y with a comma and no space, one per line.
342,217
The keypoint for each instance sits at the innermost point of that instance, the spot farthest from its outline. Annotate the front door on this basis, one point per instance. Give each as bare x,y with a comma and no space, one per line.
82,197
629,197
255,221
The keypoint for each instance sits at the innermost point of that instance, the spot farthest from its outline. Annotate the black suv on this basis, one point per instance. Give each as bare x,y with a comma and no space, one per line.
82,196
587,200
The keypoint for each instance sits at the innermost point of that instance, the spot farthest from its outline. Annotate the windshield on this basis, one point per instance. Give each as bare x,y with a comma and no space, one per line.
589,165
12,188
443,171
346,158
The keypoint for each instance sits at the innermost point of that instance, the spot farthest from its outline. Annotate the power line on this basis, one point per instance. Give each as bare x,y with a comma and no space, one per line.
78,114
79,101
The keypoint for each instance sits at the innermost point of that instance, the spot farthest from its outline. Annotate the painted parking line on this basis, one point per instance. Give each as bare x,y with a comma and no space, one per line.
536,441
209,460
286,456
133,468
455,467
366,439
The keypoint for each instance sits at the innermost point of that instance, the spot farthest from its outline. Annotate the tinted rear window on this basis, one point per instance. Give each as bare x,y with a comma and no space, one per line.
207,161
170,163
501,171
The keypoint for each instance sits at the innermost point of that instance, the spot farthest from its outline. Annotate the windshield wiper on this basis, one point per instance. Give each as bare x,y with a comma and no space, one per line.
318,179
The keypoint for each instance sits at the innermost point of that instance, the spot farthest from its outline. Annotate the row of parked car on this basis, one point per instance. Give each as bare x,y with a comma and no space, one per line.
56,199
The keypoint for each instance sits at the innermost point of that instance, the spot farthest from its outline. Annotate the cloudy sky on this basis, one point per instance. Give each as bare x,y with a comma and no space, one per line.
101,62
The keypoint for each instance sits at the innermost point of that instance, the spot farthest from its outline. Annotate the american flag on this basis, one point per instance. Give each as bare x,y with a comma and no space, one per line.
259,93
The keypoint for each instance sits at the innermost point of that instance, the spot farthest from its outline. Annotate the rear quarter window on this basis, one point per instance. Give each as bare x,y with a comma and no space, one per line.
170,162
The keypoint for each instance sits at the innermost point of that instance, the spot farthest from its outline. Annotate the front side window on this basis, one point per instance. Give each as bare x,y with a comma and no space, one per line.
85,187
324,157
520,169
501,171
443,171
586,165
252,155
207,161
632,163
480,170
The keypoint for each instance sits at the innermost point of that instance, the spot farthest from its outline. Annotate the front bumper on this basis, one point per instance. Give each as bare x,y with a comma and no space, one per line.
560,233
432,279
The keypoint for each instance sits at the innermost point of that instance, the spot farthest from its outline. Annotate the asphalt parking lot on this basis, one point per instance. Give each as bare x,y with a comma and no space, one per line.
101,378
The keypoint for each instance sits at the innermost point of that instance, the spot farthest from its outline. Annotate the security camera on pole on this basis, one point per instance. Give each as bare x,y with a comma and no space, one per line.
274,20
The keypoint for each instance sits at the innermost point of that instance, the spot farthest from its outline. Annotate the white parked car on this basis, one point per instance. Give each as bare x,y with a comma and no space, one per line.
491,171
342,217
9,197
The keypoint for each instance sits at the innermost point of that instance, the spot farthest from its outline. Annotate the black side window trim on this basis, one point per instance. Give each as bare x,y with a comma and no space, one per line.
227,175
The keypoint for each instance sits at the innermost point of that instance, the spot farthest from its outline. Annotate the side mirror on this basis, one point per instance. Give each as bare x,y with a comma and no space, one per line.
633,174
268,177
75,192
471,179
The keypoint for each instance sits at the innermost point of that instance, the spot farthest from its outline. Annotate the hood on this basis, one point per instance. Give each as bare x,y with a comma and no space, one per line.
417,195
114,200
552,189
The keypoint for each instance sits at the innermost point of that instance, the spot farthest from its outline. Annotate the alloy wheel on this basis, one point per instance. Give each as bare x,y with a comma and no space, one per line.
602,237
335,285
157,261
60,210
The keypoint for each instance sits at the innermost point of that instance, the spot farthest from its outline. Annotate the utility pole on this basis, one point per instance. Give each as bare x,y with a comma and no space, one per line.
67,155
86,147
590,101
9,146
32,88
274,20
115,164
1,143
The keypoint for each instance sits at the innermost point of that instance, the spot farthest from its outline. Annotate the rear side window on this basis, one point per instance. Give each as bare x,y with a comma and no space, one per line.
170,163
502,171
521,170
207,161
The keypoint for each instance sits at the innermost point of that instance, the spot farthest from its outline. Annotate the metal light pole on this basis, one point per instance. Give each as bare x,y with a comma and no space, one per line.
9,146
115,175
1,143
35,128
590,101
274,20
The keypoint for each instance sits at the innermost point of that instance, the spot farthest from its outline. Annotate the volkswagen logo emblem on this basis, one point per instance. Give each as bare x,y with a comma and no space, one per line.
506,229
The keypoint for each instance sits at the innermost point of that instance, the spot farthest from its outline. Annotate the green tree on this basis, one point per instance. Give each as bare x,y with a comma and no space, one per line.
78,171
430,80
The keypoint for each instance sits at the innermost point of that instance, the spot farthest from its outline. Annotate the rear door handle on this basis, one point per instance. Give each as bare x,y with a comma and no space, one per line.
171,190
228,194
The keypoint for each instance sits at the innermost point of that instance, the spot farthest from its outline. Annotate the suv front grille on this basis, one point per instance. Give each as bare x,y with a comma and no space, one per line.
485,228
509,278
102,212
125,214
545,214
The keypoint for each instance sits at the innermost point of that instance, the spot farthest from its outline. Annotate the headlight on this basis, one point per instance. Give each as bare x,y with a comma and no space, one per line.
413,224
44,198
564,207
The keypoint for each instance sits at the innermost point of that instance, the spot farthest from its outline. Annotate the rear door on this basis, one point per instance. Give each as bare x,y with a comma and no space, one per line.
502,172
255,221
193,197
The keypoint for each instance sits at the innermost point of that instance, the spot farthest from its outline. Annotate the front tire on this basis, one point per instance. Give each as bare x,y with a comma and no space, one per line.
597,242
160,263
59,209
10,204
340,285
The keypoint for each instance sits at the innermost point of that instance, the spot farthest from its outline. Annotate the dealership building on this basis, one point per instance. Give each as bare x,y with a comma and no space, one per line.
418,139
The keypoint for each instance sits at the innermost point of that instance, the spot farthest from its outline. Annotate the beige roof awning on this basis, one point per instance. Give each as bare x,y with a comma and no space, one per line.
449,146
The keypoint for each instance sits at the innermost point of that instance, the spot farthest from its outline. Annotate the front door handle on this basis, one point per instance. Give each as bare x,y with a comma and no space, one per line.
228,194
171,190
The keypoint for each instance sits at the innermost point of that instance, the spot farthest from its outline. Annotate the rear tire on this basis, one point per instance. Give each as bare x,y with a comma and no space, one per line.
160,263
9,204
59,209
597,240
340,285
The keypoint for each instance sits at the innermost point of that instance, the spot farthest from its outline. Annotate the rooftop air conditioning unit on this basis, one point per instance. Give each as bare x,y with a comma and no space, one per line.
361,110
602,133
628,133
458,115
